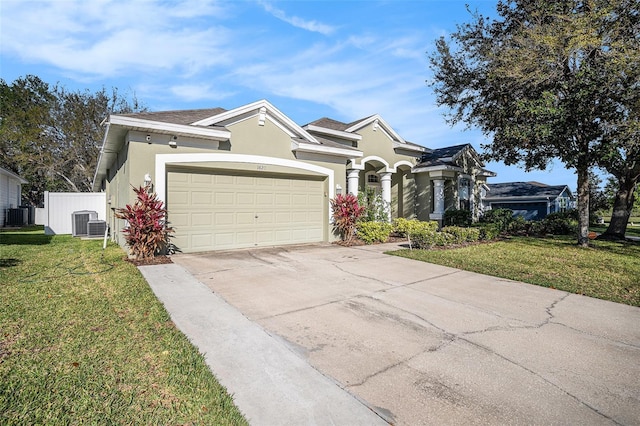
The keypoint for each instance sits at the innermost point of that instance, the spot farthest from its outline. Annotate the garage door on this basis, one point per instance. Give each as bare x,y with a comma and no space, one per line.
529,211
225,211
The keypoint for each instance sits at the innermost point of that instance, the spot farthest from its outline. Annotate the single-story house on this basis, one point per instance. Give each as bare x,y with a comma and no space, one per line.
11,198
251,176
531,200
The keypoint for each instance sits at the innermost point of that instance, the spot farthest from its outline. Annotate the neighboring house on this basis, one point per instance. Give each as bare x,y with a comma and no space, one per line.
10,196
252,177
531,200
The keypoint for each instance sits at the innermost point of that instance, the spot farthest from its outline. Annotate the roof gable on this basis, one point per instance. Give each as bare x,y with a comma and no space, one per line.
264,111
12,175
377,122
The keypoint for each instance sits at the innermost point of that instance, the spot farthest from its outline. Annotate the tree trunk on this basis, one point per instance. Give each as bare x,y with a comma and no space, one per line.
622,207
583,206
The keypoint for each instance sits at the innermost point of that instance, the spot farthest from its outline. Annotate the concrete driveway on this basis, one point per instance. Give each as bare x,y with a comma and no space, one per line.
426,344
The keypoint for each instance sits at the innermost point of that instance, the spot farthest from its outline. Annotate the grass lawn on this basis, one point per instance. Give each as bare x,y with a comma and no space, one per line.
83,340
607,270
632,231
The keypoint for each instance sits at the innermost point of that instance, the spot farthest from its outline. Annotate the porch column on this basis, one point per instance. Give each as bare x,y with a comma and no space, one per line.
385,183
438,199
353,177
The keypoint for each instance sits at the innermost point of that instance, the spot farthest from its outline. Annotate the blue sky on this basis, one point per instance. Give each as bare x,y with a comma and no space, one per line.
340,59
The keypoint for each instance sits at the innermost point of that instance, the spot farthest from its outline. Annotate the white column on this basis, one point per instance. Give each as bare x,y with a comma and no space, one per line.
385,183
353,177
438,199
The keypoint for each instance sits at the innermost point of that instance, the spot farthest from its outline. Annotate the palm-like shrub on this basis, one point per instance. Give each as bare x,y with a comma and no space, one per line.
346,211
147,232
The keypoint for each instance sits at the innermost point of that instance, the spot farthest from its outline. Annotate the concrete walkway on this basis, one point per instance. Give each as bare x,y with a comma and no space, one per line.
333,335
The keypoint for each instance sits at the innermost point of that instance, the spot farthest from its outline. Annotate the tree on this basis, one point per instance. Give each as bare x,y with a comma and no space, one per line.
542,82
598,199
25,113
52,136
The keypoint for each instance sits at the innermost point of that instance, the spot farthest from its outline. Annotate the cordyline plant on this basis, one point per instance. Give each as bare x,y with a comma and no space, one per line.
346,212
147,232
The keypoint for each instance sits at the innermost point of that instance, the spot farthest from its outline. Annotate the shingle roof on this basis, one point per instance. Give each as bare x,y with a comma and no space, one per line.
178,117
329,123
524,189
446,152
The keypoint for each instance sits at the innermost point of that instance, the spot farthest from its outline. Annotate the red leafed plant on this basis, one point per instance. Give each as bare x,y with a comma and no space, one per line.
147,232
346,212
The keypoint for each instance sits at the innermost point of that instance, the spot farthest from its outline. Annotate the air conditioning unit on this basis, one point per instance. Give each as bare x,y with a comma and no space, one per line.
80,222
96,228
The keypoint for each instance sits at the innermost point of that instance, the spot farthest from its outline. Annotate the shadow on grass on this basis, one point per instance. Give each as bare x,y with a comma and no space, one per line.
25,236
8,262
620,248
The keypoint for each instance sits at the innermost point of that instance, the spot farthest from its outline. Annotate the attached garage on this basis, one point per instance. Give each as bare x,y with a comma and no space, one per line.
217,209
529,211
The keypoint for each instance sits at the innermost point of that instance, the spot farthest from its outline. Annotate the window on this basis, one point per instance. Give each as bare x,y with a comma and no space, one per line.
373,178
464,194
562,204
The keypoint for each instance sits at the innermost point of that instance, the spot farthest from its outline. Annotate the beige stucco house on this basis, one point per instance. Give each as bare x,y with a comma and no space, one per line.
251,176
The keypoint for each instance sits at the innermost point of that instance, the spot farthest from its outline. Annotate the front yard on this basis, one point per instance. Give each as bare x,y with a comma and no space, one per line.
607,270
83,340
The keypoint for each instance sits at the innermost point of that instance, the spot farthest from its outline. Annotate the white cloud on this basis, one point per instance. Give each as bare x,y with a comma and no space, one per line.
109,38
199,92
297,22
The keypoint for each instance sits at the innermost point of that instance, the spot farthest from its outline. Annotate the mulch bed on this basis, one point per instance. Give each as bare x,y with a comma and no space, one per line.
157,260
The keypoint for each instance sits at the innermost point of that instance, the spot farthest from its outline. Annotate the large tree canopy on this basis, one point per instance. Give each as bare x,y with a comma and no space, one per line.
546,80
52,136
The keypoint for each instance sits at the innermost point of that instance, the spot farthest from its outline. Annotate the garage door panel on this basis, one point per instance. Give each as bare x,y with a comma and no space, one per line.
223,218
245,238
245,180
265,218
283,199
201,197
243,218
245,199
298,200
225,198
181,197
224,239
199,241
201,219
201,178
264,200
215,211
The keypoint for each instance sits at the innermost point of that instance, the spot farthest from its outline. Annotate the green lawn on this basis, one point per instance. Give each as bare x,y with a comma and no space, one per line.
632,230
83,340
607,270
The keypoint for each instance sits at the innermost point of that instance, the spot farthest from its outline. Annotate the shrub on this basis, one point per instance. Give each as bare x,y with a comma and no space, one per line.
346,212
406,227
461,235
457,218
499,217
556,224
375,209
424,239
518,225
487,231
147,232
371,232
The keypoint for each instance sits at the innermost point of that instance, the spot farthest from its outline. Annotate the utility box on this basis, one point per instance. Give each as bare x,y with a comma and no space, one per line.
80,222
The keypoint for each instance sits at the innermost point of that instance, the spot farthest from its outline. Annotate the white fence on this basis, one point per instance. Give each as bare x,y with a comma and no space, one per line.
59,207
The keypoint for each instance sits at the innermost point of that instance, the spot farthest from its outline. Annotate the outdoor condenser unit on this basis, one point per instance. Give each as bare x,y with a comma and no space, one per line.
80,222
96,228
